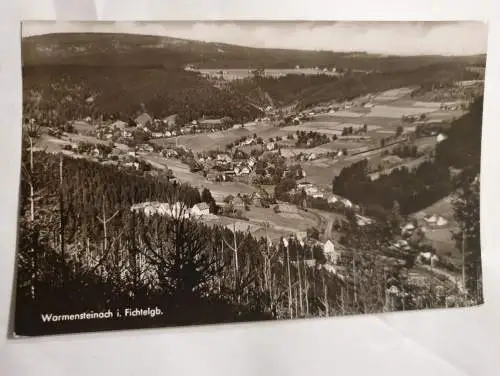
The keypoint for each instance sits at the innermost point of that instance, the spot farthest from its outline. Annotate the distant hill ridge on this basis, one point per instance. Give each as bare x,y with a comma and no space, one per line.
134,49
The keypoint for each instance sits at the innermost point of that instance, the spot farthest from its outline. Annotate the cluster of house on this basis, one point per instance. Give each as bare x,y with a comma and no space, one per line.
308,157
331,109
129,159
431,220
449,107
144,122
226,166
315,192
332,254
244,167
436,220
176,210
169,127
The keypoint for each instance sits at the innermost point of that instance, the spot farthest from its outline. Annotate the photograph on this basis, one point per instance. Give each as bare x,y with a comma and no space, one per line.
185,173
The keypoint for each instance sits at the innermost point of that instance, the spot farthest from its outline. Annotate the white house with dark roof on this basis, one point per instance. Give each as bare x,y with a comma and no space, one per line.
200,209
332,199
330,252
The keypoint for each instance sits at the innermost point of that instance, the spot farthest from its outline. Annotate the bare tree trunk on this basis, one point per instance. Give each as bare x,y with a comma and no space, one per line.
306,288
354,278
325,294
464,240
219,264
313,275
104,220
62,221
296,303
342,300
236,265
266,281
289,282
104,223
235,249
34,265
300,287
32,190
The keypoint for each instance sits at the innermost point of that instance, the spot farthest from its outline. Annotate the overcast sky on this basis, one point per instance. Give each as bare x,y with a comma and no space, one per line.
404,38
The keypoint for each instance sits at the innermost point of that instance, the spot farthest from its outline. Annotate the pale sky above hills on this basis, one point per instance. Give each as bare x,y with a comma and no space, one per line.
401,38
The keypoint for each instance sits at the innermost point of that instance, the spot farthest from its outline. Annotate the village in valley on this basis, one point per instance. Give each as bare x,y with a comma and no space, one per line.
297,152
249,183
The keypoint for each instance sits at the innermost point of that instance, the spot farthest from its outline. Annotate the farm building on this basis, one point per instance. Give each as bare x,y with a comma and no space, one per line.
200,209
244,170
170,121
330,252
304,184
431,220
311,190
441,222
132,165
143,120
346,203
402,245
427,257
332,199
363,221
440,138
166,209
225,158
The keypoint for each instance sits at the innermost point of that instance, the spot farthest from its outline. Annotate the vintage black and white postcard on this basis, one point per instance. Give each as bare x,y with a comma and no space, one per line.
186,173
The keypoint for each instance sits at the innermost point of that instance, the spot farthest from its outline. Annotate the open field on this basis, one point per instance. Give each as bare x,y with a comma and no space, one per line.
394,94
442,207
395,112
441,237
328,127
284,222
218,140
205,141
53,144
332,146
321,172
365,119
278,224
445,115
